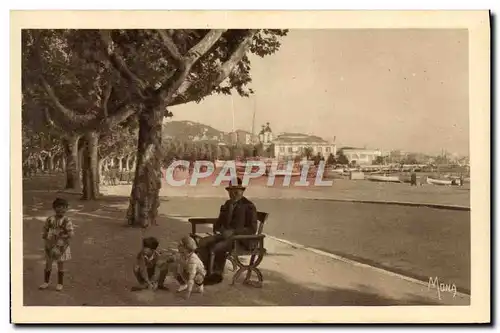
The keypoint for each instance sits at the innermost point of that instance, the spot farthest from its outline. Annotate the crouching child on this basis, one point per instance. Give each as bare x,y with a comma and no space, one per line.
151,267
190,269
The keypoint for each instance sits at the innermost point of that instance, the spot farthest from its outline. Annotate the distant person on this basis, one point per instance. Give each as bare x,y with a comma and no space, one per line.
238,216
113,173
413,178
57,231
423,180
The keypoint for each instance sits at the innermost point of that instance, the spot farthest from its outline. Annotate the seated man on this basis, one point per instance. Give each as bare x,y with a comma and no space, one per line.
238,216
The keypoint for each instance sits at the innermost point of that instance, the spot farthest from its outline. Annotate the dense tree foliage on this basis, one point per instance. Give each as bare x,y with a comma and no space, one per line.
87,83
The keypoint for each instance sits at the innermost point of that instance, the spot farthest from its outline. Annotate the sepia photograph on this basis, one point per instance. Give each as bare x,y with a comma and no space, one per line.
274,166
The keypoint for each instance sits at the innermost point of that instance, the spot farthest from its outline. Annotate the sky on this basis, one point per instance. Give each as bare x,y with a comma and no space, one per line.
381,89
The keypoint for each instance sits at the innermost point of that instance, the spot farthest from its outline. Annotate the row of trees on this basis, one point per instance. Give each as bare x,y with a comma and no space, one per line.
191,151
90,89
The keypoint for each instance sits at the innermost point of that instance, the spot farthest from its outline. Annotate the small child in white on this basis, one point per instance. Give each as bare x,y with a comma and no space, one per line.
190,269
57,232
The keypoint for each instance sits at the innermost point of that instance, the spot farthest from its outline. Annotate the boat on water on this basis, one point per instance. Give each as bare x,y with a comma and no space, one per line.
281,173
440,181
383,178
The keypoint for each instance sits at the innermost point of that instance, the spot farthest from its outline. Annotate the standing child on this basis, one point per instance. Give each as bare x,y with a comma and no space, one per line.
191,270
57,232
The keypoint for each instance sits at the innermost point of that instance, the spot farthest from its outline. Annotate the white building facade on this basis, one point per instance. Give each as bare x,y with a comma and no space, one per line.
291,145
362,156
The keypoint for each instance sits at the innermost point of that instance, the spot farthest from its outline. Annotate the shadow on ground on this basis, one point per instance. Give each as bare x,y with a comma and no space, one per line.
100,273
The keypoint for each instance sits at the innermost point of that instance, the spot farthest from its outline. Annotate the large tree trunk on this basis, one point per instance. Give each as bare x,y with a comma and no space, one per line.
102,166
127,162
90,167
134,163
42,163
51,163
144,201
72,163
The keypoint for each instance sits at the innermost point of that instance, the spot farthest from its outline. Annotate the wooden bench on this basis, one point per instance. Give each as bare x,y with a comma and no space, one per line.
256,253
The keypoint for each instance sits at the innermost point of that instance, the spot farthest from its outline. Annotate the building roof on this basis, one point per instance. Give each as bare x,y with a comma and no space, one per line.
298,137
360,150
242,131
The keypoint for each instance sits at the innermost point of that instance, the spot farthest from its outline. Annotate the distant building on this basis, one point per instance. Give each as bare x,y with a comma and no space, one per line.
240,137
362,156
290,145
244,137
266,136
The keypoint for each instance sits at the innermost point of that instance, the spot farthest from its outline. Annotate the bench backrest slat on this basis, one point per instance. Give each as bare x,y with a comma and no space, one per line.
261,218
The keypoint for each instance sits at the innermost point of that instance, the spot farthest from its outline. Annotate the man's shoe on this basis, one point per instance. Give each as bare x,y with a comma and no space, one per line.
213,279
139,287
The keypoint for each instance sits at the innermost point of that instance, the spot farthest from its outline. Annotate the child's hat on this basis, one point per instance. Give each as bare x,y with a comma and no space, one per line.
188,243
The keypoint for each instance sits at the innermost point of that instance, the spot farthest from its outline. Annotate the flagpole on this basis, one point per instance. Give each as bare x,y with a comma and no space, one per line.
253,119
232,110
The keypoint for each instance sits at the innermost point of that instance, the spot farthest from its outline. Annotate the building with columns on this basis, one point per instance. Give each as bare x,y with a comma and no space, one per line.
290,145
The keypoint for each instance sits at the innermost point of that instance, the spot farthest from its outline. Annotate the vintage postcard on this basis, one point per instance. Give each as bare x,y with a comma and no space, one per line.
254,167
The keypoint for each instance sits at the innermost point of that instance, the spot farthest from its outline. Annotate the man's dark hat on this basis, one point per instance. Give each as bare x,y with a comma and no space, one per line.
233,186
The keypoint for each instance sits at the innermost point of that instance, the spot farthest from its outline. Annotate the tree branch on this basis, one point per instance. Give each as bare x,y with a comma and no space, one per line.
224,71
171,47
107,95
119,63
83,123
112,121
209,40
69,115
235,58
52,124
172,84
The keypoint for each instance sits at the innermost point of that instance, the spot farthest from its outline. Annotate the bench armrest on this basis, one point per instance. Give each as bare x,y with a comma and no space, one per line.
248,237
256,243
203,220
200,221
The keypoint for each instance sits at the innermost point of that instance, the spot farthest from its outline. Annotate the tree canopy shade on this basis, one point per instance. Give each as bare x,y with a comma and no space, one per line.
94,80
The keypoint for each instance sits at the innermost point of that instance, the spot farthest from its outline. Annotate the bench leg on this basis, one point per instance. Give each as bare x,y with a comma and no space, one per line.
255,260
233,263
